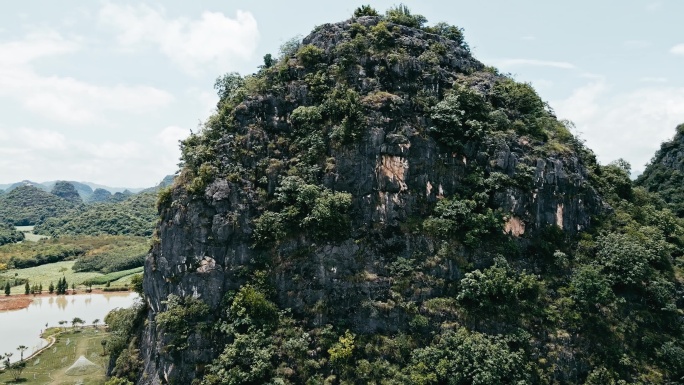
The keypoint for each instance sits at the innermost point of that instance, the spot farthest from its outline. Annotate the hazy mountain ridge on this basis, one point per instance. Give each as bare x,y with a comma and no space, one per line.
85,189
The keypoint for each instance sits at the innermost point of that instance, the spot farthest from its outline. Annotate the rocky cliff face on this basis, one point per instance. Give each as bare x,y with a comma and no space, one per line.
362,121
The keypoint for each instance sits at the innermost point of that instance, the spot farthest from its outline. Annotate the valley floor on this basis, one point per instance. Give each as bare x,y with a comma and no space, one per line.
63,361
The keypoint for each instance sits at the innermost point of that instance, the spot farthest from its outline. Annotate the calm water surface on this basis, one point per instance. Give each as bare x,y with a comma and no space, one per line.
23,327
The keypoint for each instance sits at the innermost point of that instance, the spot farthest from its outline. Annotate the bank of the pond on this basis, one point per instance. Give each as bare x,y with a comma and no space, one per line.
24,326
22,301
15,302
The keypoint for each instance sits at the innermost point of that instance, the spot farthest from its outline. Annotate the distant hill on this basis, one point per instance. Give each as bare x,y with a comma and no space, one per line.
167,181
11,186
66,190
114,189
28,205
133,215
85,189
100,195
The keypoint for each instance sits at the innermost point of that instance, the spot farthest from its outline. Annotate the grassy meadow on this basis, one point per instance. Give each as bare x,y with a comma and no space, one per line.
52,272
50,367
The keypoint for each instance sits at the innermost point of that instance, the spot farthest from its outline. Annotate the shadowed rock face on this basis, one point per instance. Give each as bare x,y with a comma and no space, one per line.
395,172
66,190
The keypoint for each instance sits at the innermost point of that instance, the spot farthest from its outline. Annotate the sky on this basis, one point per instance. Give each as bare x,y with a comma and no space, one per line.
102,91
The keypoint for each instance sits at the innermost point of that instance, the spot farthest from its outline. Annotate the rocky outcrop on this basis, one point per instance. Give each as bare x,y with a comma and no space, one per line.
395,172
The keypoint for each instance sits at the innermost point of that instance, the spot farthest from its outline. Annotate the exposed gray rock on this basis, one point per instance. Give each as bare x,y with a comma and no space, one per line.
394,173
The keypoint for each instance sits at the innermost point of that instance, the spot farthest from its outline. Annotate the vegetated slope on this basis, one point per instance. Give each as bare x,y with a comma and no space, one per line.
28,205
12,186
66,190
8,234
664,175
84,191
99,196
166,182
105,253
134,215
377,206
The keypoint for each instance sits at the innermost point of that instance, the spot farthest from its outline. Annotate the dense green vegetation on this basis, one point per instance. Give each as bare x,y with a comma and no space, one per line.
98,253
134,215
122,324
84,191
99,196
664,175
49,275
67,191
608,298
8,234
28,205
552,307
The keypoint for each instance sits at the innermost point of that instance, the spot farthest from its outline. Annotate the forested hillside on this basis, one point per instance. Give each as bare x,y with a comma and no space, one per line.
102,253
377,206
133,215
67,191
28,205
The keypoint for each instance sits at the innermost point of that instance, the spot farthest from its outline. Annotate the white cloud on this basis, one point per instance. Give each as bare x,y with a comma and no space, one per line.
64,98
506,63
582,104
541,84
636,44
206,100
110,150
42,154
213,40
35,45
654,6
170,136
653,79
41,139
630,125
677,49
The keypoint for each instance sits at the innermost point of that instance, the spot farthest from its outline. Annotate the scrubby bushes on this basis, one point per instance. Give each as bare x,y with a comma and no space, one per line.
304,207
135,215
9,235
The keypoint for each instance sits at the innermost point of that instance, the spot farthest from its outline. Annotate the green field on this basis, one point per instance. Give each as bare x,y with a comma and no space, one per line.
114,277
45,274
54,365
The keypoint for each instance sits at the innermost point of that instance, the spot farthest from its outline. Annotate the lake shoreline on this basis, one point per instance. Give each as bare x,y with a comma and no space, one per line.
22,301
